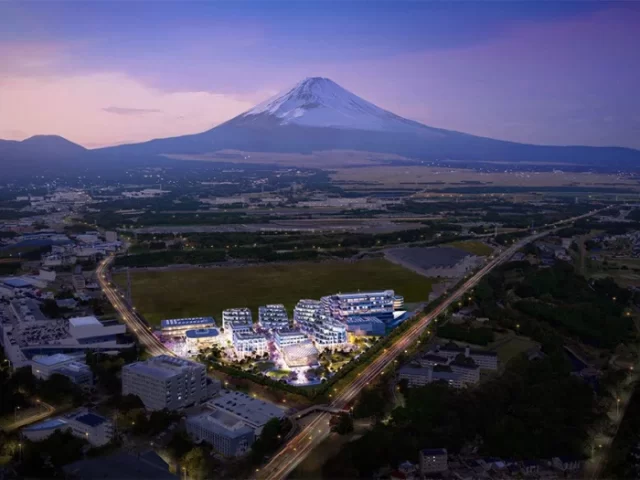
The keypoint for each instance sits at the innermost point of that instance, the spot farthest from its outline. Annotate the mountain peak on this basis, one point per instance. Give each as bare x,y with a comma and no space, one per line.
321,102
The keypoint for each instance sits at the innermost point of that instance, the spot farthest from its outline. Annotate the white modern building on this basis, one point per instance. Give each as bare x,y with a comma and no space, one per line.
202,338
249,343
178,326
302,354
328,333
283,338
254,412
377,303
95,429
43,366
304,314
167,382
273,317
225,432
236,315
364,326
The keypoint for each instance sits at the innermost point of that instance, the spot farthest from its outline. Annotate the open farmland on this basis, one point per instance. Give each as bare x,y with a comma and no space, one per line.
208,291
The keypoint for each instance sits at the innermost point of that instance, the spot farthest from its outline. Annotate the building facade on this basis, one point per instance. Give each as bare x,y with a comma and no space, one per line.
166,382
236,315
377,303
249,343
273,317
179,326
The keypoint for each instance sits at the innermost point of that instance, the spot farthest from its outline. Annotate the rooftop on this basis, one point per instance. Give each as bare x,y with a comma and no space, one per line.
202,333
252,410
91,419
177,322
51,360
84,321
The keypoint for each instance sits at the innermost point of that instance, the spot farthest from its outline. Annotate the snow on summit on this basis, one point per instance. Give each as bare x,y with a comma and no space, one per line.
320,102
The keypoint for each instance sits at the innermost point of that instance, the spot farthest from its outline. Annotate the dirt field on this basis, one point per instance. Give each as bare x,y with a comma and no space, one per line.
435,178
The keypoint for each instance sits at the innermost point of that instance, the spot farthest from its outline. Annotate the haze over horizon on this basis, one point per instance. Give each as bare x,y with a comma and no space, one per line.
107,73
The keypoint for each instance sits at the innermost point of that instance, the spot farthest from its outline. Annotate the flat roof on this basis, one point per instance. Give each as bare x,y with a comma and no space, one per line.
84,321
16,282
51,360
179,322
252,410
91,419
50,424
202,333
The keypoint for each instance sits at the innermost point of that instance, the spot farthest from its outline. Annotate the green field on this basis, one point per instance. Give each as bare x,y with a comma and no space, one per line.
472,246
208,291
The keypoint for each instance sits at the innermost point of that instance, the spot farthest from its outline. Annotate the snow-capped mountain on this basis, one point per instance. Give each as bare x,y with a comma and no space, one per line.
320,102
319,115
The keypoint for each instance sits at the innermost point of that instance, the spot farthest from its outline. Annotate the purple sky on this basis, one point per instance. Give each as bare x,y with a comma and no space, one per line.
108,73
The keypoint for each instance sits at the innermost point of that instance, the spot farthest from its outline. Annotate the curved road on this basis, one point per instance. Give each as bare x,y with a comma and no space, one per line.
286,460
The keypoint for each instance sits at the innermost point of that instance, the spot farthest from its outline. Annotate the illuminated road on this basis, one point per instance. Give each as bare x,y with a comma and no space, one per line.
287,459
127,312
47,410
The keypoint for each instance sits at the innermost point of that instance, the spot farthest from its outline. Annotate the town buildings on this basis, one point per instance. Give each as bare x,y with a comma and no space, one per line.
273,317
43,366
433,460
95,429
168,382
231,422
250,343
237,316
179,326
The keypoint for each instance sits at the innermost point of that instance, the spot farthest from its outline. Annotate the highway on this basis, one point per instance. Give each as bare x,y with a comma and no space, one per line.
127,312
42,411
286,460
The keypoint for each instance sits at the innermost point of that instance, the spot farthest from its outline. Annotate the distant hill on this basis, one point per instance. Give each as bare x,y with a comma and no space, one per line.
318,115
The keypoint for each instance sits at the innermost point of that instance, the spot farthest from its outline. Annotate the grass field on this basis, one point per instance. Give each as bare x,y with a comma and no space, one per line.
511,346
203,292
472,246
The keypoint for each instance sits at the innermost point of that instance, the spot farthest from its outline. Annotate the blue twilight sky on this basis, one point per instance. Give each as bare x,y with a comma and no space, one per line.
102,73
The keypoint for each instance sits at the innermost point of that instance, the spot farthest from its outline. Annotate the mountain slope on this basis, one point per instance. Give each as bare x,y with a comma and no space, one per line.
317,114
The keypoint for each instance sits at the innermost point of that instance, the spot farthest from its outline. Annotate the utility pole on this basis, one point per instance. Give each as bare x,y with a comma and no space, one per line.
128,286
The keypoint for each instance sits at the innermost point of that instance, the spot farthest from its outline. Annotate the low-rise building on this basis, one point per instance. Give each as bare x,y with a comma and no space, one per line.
283,338
484,359
167,382
225,432
300,355
236,315
328,333
421,376
43,366
379,304
178,326
273,317
433,460
252,411
249,343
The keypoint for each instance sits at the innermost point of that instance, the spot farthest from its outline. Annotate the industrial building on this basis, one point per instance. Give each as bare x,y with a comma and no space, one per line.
421,376
273,317
168,382
433,460
252,411
484,359
178,326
